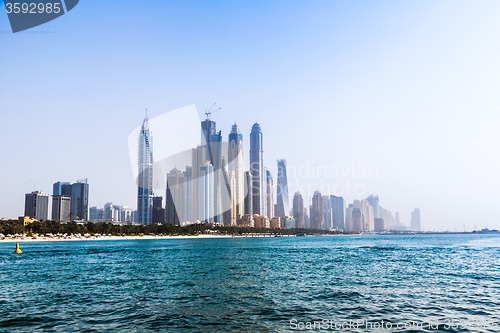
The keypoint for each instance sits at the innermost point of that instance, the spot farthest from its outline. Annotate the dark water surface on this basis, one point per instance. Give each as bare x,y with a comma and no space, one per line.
254,284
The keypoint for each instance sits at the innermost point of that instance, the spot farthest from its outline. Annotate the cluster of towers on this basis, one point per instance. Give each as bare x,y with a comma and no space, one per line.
69,202
210,183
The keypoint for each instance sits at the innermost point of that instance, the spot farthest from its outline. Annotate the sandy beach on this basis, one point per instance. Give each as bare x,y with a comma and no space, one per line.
108,238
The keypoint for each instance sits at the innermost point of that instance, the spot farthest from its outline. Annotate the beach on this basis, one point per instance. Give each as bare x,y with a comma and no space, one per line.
107,238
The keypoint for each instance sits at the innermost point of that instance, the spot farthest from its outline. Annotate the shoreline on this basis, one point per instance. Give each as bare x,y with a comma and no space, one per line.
114,238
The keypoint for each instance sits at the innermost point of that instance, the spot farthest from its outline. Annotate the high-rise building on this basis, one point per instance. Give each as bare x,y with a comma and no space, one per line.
415,220
213,141
367,218
127,215
145,174
227,200
379,224
61,208
317,217
112,213
199,157
96,214
158,210
389,220
36,205
298,210
62,188
373,200
205,193
327,212
80,200
357,222
259,183
338,209
188,194
270,194
175,196
282,208
236,165
248,193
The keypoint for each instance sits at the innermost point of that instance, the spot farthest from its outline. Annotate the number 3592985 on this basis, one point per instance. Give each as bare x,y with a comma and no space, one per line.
33,8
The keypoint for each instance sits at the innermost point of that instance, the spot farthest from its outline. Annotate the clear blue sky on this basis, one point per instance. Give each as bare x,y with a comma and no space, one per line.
409,87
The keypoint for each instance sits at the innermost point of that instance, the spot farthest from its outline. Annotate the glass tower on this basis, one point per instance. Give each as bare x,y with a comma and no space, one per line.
145,175
236,165
282,208
259,181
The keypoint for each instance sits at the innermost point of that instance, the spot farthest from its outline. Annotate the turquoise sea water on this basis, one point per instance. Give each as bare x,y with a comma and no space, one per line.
430,283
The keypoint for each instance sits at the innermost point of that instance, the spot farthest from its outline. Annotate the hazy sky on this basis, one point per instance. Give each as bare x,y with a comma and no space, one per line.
405,93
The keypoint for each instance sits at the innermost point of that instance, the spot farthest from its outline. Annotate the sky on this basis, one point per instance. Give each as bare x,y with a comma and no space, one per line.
394,98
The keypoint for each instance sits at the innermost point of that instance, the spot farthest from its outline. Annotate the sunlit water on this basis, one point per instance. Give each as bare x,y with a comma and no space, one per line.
254,284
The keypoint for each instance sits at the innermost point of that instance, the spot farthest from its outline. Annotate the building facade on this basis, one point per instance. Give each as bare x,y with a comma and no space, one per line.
236,166
80,200
270,194
317,217
61,208
282,204
145,174
259,183
36,205
415,220
298,210
338,210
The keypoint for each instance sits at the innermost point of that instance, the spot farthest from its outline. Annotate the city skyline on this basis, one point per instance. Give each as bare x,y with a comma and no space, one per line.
400,87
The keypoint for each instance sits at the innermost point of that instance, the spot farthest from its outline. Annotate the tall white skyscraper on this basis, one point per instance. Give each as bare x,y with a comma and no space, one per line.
259,176
236,166
282,208
145,178
206,192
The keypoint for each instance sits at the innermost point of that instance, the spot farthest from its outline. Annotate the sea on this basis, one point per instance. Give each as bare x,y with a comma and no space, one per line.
361,283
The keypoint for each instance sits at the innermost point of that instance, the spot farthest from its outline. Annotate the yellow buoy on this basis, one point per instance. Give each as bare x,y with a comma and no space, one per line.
18,250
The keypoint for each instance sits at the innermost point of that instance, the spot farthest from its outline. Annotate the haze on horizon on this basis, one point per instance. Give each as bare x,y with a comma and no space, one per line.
408,90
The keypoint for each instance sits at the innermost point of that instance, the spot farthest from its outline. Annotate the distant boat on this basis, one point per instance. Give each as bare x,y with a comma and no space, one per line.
488,231
300,235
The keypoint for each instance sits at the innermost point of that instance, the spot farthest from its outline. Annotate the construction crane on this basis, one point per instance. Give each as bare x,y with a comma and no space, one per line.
210,111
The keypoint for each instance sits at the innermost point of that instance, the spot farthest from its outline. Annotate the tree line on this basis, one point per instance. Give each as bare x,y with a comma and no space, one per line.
54,227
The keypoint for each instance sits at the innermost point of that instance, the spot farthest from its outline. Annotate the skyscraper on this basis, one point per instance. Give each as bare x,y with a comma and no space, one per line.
145,175
175,196
205,193
61,208
213,141
415,220
36,205
259,183
298,210
158,210
270,194
62,188
80,200
282,208
327,212
338,210
188,193
236,165
374,202
248,193
357,221
317,217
